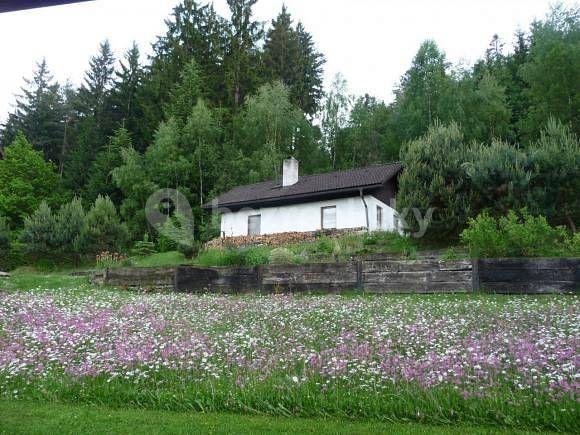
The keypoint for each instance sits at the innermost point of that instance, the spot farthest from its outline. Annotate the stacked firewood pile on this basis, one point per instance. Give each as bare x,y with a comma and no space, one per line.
274,240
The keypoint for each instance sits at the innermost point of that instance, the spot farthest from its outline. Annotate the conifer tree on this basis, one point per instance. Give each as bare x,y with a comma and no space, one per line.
290,56
310,89
100,181
5,238
241,61
127,96
39,114
103,230
39,233
70,224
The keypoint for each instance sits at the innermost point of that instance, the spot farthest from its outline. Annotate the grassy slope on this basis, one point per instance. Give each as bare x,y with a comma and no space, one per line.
170,258
18,417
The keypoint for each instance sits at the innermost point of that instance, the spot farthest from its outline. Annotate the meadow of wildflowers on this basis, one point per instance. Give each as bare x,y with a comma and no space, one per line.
484,359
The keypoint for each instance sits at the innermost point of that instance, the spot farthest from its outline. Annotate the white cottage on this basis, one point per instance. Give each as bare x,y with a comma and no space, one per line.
355,198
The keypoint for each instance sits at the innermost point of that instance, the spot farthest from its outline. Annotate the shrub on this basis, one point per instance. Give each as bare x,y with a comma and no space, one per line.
144,247
282,256
103,230
234,257
39,233
450,254
254,256
7,258
323,246
70,225
191,250
176,233
574,245
4,237
512,236
389,242
15,257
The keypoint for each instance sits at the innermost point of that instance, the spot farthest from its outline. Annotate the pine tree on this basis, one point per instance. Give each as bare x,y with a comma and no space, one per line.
282,51
555,183
69,227
100,181
127,96
95,119
434,179
103,230
310,89
290,56
39,114
241,61
185,93
194,32
95,90
39,233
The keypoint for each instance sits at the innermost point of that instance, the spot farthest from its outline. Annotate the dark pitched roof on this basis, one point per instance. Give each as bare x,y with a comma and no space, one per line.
309,186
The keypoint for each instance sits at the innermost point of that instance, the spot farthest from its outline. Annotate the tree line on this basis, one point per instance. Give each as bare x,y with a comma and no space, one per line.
222,100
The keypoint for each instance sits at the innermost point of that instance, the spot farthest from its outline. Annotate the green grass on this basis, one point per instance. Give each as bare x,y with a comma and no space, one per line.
17,417
178,391
23,279
324,249
170,258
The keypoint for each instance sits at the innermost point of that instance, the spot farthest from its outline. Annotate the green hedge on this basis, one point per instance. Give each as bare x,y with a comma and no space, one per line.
518,235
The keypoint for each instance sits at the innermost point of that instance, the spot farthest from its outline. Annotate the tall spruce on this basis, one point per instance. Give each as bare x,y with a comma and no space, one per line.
126,96
291,57
39,114
196,32
95,118
242,55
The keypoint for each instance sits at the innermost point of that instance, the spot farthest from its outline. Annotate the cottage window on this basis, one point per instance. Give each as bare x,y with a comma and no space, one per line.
254,225
328,217
379,217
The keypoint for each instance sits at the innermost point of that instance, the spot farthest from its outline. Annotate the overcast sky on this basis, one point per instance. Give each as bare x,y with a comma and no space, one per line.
371,42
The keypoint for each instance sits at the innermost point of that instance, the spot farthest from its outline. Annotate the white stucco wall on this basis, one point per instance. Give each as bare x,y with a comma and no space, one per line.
350,213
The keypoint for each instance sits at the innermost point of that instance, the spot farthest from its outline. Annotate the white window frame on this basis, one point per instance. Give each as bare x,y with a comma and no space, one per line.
259,217
380,217
322,209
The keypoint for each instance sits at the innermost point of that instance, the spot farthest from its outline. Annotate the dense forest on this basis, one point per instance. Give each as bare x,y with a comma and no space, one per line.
222,100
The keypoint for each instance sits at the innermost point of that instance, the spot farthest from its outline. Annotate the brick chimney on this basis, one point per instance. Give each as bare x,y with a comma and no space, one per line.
290,172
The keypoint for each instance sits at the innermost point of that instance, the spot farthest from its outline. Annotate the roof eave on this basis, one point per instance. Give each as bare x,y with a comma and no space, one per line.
287,199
